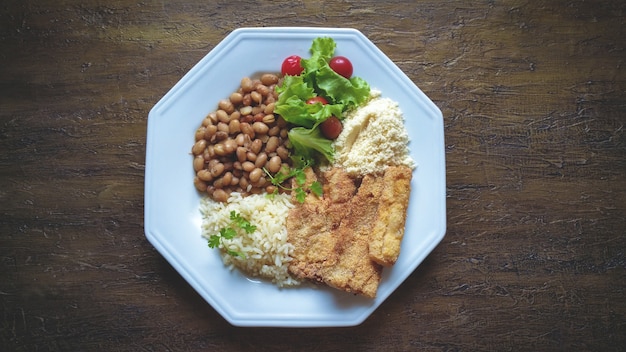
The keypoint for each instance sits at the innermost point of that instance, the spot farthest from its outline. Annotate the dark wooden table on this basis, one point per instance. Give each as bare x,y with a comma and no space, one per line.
534,100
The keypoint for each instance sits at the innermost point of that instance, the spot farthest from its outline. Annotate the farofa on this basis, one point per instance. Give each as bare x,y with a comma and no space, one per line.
266,251
373,138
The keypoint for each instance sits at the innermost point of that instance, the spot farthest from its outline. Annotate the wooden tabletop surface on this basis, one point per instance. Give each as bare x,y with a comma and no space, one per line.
533,96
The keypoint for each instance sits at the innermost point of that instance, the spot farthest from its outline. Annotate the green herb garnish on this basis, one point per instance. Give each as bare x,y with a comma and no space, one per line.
298,174
242,223
237,223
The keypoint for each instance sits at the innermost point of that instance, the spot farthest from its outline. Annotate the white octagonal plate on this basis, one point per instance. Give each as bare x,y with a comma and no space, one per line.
172,215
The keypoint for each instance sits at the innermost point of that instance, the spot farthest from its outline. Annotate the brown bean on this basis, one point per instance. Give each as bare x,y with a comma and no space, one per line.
221,126
212,116
263,90
269,79
198,163
243,183
227,179
247,100
271,189
254,118
246,84
235,115
247,166
251,156
268,119
283,153
199,133
241,154
220,195
272,143
219,183
209,153
206,122
246,110
236,98
260,160
234,126
269,108
256,146
261,182
240,139
212,163
256,97
219,149
230,146
274,164
255,175
260,127
199,184
221,135
217,169
198,147
226,105
210,132
246,128
257,110
205,175
274,131
222,116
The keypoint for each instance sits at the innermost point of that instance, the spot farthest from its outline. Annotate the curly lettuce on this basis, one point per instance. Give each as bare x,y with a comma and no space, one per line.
308,144
317,79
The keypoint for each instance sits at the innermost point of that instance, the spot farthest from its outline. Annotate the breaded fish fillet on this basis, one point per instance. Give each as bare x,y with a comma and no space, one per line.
331,235
344,238
354,271
388,229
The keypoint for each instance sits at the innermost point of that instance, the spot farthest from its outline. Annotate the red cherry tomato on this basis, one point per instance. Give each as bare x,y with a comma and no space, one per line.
341,65
317,99
291,66
331,127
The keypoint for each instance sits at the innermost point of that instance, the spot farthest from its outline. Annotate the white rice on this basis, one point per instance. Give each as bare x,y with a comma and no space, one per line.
266,252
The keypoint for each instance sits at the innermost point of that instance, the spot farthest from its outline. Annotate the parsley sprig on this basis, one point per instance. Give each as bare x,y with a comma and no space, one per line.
237,223
298,174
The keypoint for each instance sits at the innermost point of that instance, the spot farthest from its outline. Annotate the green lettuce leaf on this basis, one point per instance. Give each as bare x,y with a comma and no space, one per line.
338,89
322,50
307,142
317,79
292,106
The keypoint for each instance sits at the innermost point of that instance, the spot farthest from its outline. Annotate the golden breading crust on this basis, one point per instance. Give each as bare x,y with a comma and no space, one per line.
343,239
389,226
331,235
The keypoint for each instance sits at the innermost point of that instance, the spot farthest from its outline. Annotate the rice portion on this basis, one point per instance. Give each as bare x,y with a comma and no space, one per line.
266,252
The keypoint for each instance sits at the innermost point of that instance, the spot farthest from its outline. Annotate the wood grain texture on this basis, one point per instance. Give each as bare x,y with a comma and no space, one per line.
534,101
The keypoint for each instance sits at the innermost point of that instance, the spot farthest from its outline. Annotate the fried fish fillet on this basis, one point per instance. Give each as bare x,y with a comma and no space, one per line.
344,238
389,226
331,235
